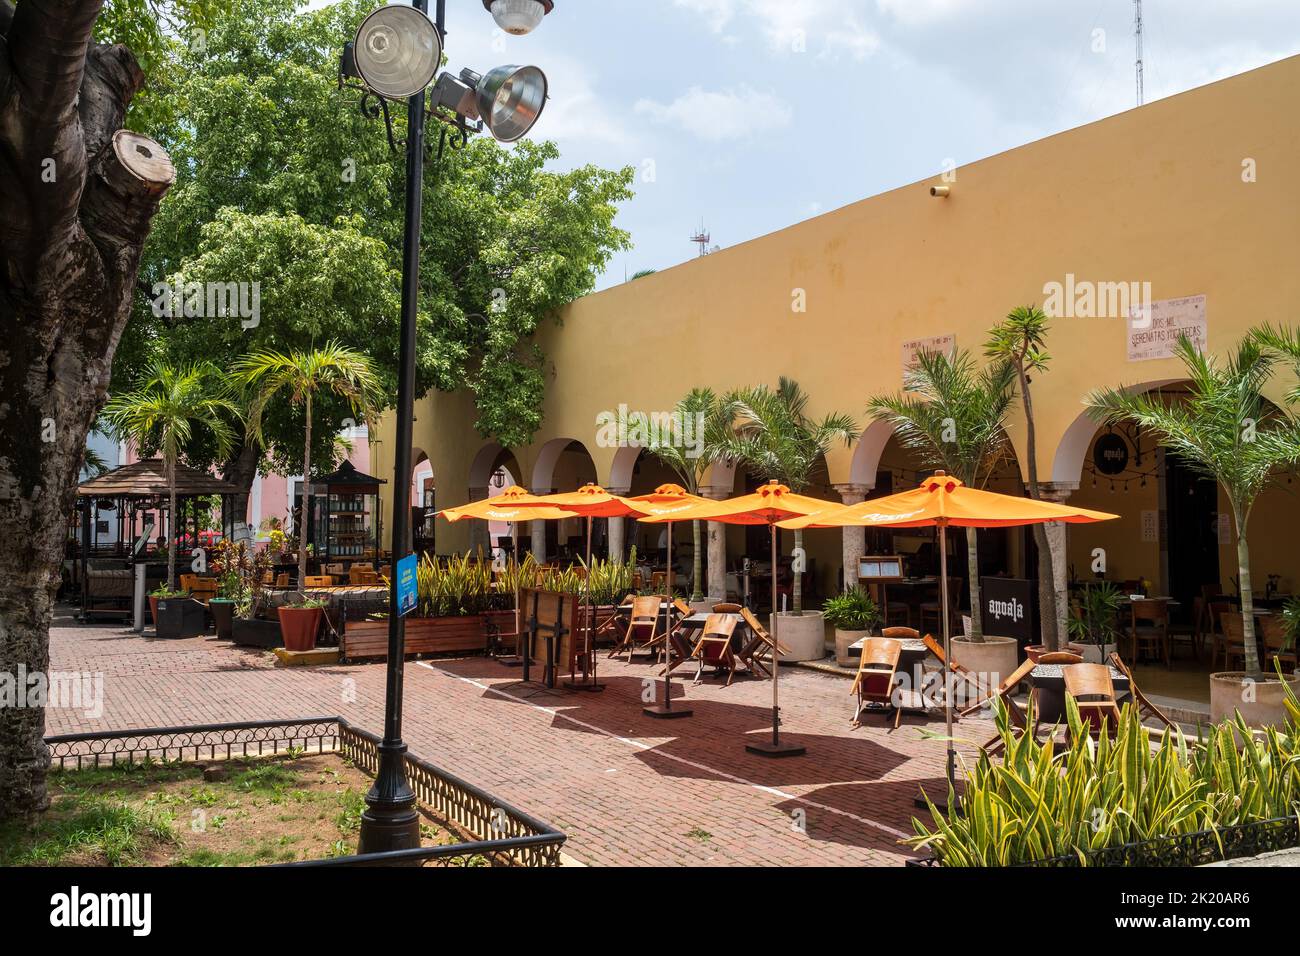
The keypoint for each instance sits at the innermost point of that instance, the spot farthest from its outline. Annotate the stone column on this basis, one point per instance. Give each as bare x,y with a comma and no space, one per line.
480,535
539,532
618,531
1058,542
855,539
716,536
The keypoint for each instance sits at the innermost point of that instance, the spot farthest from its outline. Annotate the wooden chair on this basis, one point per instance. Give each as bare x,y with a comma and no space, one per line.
760,646
642,627
1149,627
1019,718
678,649
1273,637
1094,694
336,570
1218,645
965,674
282,580
1143,704
1233,641
934,610
714,647
1005,689
319,581
359,575
874,683
659,581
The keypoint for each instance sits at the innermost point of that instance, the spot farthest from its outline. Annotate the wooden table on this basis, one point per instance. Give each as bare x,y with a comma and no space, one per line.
1048,681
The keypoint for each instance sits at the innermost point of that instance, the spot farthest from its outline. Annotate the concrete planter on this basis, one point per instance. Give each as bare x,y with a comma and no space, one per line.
993,660
803,635
1090,654
704,605
842,641
1261,703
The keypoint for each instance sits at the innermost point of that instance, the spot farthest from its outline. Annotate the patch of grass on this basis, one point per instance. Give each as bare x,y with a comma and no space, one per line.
702,835
78,829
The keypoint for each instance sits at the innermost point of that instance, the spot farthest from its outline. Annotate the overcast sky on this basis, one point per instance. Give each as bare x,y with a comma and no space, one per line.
750,115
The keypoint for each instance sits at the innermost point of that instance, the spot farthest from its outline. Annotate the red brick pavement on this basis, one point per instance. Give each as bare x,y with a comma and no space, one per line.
627,789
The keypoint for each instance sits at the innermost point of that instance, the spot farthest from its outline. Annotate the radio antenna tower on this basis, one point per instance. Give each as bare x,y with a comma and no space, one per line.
701,239
1137,35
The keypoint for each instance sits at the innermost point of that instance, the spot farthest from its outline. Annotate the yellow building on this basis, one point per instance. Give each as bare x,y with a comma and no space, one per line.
1191,200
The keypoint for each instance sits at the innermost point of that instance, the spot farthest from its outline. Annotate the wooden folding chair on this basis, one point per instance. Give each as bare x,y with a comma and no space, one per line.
1006,693
678,646
1094,694
612,628
967,676
1144,705
1005,689
727,607
319,581
642,627
1274,638
714,647
282,580
759,647
874,683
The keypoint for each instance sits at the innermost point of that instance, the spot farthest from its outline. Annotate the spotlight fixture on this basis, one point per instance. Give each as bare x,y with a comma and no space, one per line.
507,100
518,17
396,53
940,192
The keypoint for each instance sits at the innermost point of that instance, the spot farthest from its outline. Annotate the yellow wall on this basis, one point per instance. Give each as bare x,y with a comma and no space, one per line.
1154,194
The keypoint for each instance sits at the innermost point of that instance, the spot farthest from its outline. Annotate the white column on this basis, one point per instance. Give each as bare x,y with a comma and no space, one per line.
1058,542
855,539
539,532
716,552
617,531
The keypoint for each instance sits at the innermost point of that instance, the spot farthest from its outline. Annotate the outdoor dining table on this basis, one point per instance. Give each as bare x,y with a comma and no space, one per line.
1048,681
747,651
911,658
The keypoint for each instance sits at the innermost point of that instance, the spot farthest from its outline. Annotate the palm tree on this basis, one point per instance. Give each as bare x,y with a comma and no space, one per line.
1019,339
1223,428
953,415
303,374
689,453
165,410
771,434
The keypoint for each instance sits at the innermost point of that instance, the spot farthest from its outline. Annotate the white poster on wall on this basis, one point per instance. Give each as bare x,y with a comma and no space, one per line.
939,343
1154,329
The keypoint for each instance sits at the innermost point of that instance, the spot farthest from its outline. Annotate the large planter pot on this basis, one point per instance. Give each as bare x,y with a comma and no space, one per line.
299,627
223,616
1090,653
255,632
802,635
704,605
153,609
1261,703
178,618
992,660
843,640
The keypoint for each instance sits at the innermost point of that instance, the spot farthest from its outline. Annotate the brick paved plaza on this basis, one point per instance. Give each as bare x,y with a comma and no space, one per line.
627,789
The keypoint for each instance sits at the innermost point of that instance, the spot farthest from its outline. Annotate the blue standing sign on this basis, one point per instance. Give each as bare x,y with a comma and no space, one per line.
408,591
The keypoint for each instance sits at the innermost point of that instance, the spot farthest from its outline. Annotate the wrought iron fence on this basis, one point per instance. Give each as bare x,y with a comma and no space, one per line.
500,834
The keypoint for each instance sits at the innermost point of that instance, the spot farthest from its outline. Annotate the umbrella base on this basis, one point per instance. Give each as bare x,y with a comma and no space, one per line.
770,749
583,685
666,713
511,661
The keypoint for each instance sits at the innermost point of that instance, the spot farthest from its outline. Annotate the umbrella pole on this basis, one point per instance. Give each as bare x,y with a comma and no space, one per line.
947,651
775,748
665,710
591,684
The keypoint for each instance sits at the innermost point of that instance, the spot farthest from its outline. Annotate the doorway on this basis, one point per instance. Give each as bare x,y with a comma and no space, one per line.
1192,520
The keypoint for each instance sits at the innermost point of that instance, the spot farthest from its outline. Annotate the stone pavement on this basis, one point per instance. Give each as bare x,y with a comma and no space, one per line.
627,789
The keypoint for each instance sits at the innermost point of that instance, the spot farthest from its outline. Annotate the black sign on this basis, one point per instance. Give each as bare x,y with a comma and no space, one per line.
1008,608
1110,454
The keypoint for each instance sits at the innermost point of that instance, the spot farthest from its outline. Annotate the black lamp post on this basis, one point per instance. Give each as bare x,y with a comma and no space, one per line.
396,55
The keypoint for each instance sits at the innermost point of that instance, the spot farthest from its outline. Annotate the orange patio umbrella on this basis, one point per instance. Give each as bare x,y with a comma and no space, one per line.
664,505
590,501
943,501
514,505
770,504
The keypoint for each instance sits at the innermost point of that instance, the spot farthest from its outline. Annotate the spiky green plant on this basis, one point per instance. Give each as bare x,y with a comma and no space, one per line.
953,416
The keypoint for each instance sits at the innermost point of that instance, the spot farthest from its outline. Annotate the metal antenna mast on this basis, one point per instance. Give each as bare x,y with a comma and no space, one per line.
1137,35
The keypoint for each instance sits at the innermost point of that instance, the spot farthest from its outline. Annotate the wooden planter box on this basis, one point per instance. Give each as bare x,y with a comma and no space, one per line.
368,640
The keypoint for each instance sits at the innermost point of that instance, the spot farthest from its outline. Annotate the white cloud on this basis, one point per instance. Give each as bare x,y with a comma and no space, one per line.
823,27
717,116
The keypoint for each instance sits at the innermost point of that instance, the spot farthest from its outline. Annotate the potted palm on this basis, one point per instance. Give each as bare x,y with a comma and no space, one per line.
300,623
953,416
770,433
1225,428
1095,623
854,615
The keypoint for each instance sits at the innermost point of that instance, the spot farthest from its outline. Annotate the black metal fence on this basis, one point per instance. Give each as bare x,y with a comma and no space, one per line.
500,834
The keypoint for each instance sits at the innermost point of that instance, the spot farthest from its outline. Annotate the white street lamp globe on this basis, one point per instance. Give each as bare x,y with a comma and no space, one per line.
519,17
510,100
398,51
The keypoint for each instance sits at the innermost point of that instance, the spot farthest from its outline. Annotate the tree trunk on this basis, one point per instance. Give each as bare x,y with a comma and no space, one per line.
241,471
78,196
306,477
173,526
1253,669
976,634
697,566
1047,615
796,585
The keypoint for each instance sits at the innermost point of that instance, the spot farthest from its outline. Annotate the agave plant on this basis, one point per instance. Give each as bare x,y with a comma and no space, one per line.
460,587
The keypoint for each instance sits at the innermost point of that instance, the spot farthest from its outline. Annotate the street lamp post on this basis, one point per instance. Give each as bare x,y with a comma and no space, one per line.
396,55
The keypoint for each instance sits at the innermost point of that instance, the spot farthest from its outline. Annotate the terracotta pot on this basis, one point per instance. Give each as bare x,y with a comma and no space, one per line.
153,610
299,626
1261,702
1035,651
843,639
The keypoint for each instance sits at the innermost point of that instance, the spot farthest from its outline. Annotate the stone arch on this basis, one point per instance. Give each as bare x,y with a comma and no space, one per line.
867,453
1072,447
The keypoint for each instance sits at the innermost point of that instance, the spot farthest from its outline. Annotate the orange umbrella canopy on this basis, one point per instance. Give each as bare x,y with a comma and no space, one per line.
943,499
591,501
666,504
513,505
772,502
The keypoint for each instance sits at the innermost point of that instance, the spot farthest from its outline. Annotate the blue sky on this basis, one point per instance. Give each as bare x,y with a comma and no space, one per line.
751,115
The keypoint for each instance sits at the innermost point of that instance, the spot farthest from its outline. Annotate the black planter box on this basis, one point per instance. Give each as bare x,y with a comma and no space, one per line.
223,616
254,632
180,617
